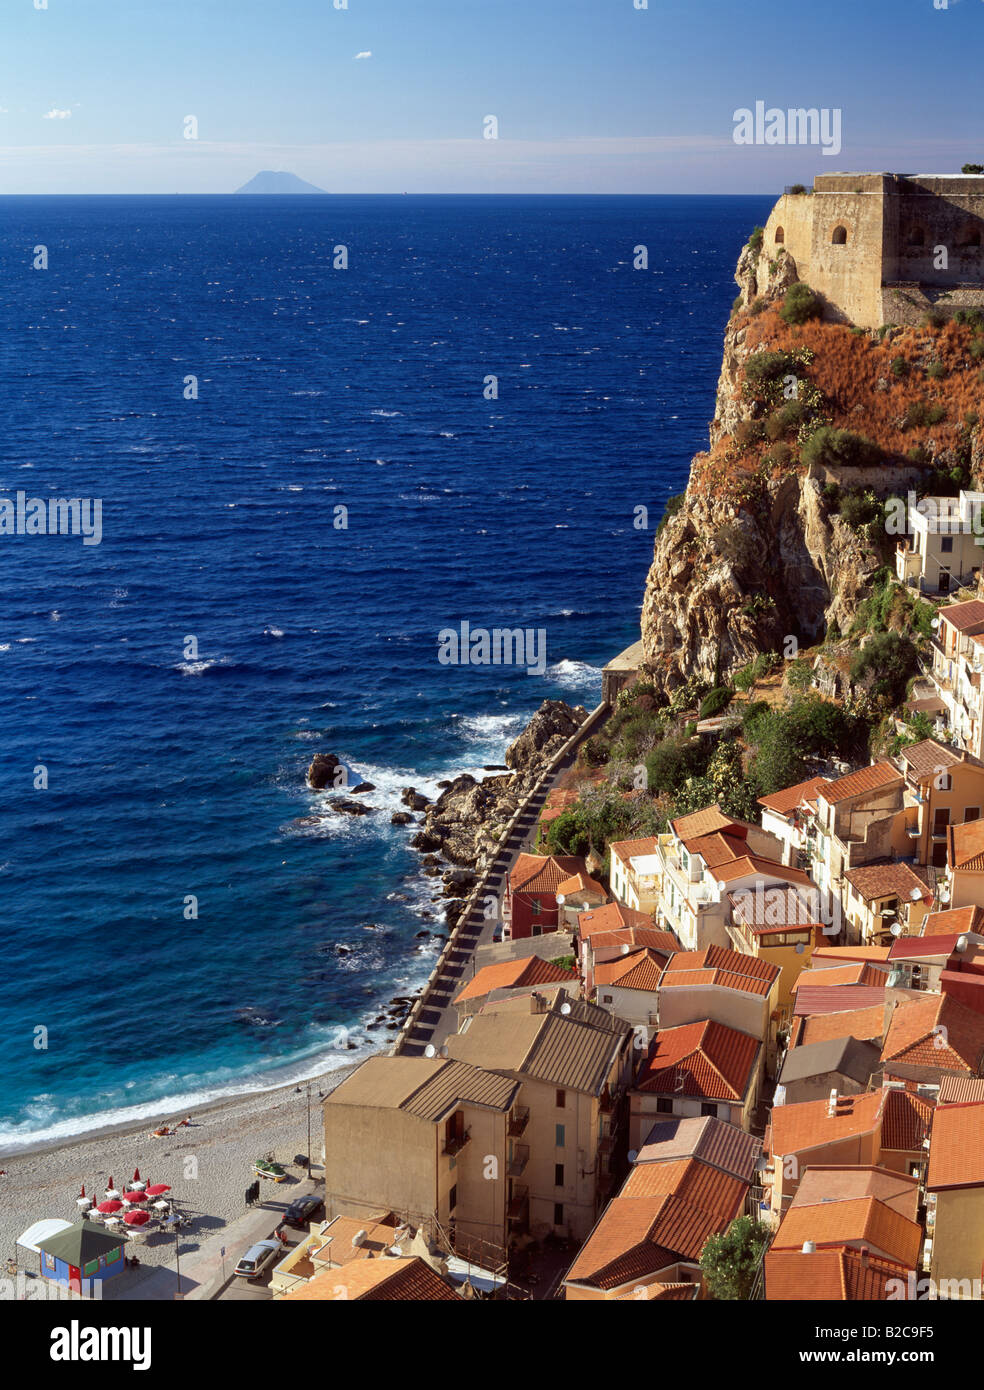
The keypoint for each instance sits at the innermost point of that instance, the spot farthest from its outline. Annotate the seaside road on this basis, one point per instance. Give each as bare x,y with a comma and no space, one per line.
438,1018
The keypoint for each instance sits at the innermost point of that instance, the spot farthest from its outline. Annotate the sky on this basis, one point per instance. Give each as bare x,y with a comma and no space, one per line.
383,96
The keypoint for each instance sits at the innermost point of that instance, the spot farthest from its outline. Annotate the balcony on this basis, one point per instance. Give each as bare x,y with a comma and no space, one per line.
519,1118
519,1203
517,1164
454,1143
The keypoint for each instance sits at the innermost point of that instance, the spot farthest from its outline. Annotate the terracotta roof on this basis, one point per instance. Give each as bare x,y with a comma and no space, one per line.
611,917
832,953
965,845
922,947
664,1293
662,941
956,1149
700,1059
790,797
866,779
715,1142
843,1182
335,1242
717,965
543,872
830,1276
928,756
873,881
960,1090
837,999
865,1024
718,848
641,970
630,849
775,908
906,1120
694,1182
807,1124
864,1220
405,1280
513,974
580,883
702,823
623,1245
954,920
964,616
861,972
754,864
936,1032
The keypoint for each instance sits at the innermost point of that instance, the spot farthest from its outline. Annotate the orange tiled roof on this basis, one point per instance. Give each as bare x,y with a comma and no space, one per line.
718,848
702,823
611,917
641,970
927,757
956,1149
937,1032
580,883
837,1182
663,941
863,1219
964,616
875,953
866,779
381,1280
706,1187
513,974
874,881
965,845
830,1276
955,920
860,972
700,1059
906,1120
755,864
543,872
790,797
960,1090
807,1125
664,1293
723,958
863,1024
628,849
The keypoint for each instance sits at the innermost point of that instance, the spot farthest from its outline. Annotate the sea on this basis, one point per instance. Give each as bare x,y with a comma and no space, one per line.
307,470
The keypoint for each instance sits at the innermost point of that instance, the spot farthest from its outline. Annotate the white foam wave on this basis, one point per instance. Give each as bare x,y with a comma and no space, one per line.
574,675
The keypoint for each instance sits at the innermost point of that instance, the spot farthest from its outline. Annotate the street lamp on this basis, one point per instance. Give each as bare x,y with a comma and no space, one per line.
309,1130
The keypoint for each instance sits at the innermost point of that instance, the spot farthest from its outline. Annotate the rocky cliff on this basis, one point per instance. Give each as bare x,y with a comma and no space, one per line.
758,551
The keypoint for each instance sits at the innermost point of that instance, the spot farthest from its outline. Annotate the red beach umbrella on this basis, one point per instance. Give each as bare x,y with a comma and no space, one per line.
137,1218
108,1208
110,1184
131,1197
82,1193
157,1189
136,1175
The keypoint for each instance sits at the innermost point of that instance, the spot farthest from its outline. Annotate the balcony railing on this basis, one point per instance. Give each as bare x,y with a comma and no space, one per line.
517,1164
518,1203
454,1143
519,1118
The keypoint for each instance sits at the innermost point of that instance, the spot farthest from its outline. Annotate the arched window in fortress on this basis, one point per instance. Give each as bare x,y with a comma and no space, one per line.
839,237
781,236
916,237
970,237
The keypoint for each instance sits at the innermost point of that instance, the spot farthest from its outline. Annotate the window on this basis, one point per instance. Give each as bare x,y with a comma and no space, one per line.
941,820
453,1198
664,1106
559,1136
535,906
562,1095
708,1107
780,236
558,1214
972,813
917,237
558,1175
946,545
839,237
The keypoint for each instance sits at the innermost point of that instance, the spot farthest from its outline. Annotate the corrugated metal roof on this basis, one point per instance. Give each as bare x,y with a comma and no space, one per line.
457,1082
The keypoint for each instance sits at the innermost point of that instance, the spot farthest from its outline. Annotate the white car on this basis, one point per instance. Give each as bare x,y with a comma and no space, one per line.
258,1258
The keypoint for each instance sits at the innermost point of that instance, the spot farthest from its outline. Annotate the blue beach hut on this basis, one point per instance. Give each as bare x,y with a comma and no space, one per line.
79,1254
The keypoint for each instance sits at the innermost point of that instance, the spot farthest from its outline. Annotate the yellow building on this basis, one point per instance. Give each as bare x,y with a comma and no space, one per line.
883,899
781,925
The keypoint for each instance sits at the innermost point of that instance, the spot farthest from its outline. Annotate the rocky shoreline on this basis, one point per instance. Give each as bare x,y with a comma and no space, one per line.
459,831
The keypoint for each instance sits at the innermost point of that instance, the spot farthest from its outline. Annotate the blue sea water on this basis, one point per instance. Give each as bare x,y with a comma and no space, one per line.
171,776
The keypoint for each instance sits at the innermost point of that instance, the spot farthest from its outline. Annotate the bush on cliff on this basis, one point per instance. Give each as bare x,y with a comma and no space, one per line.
761,368
716,702
833,448
569,833
884,665
800,304
673,761
673,505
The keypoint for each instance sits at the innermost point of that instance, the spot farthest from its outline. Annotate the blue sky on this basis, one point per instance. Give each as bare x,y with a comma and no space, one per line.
590,95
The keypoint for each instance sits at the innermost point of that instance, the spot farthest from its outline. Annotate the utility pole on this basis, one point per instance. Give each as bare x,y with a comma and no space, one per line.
177,1257
309,1130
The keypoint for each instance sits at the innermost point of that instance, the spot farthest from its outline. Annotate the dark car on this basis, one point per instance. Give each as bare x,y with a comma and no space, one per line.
302,1210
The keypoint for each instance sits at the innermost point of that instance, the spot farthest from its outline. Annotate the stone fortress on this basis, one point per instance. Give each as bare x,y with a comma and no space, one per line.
885,248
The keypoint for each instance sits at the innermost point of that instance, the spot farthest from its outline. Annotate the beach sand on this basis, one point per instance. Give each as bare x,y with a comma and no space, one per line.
208,1165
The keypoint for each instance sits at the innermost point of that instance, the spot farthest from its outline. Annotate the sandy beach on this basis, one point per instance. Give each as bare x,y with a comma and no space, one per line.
208,1164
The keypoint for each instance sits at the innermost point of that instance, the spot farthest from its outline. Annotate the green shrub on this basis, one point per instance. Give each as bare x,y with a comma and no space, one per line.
800,304
860,508
755,670
977,349
899,367
936,370
569,833
839,448
718,700
756,239
736,304
800,674
673,505
920,414
798,188
762,368
934,319
885,664
673,761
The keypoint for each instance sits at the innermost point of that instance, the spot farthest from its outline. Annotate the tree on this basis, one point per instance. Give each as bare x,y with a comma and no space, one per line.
884,665
569,833
729,1262
672,762
972,169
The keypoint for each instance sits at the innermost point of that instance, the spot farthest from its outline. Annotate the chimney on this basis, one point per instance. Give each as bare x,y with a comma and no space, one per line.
865,1252
809,1248
832,1104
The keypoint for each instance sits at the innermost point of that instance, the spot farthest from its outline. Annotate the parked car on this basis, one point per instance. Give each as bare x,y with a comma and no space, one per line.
302,1210
258,1258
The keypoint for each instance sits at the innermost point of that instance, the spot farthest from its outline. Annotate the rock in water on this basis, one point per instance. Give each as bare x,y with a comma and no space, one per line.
322,772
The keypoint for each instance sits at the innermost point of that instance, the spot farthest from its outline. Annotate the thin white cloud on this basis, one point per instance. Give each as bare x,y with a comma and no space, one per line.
55,115
366,53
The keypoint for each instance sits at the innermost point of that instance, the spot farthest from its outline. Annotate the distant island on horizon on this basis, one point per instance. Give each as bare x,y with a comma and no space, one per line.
278,181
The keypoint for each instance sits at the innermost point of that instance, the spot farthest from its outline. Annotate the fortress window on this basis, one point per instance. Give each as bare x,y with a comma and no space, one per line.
917,237
971,237
839,237
781,237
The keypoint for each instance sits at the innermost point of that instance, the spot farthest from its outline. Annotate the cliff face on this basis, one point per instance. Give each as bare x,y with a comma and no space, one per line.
758,551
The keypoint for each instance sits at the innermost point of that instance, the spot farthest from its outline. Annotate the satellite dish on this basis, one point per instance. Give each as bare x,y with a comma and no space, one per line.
633,1155
430,1050
626,948
896,929
565,1008
561,899
943,893
444,1051
935,622
915,894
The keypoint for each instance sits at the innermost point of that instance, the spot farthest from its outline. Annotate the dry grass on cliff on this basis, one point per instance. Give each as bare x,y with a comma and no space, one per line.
862,393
